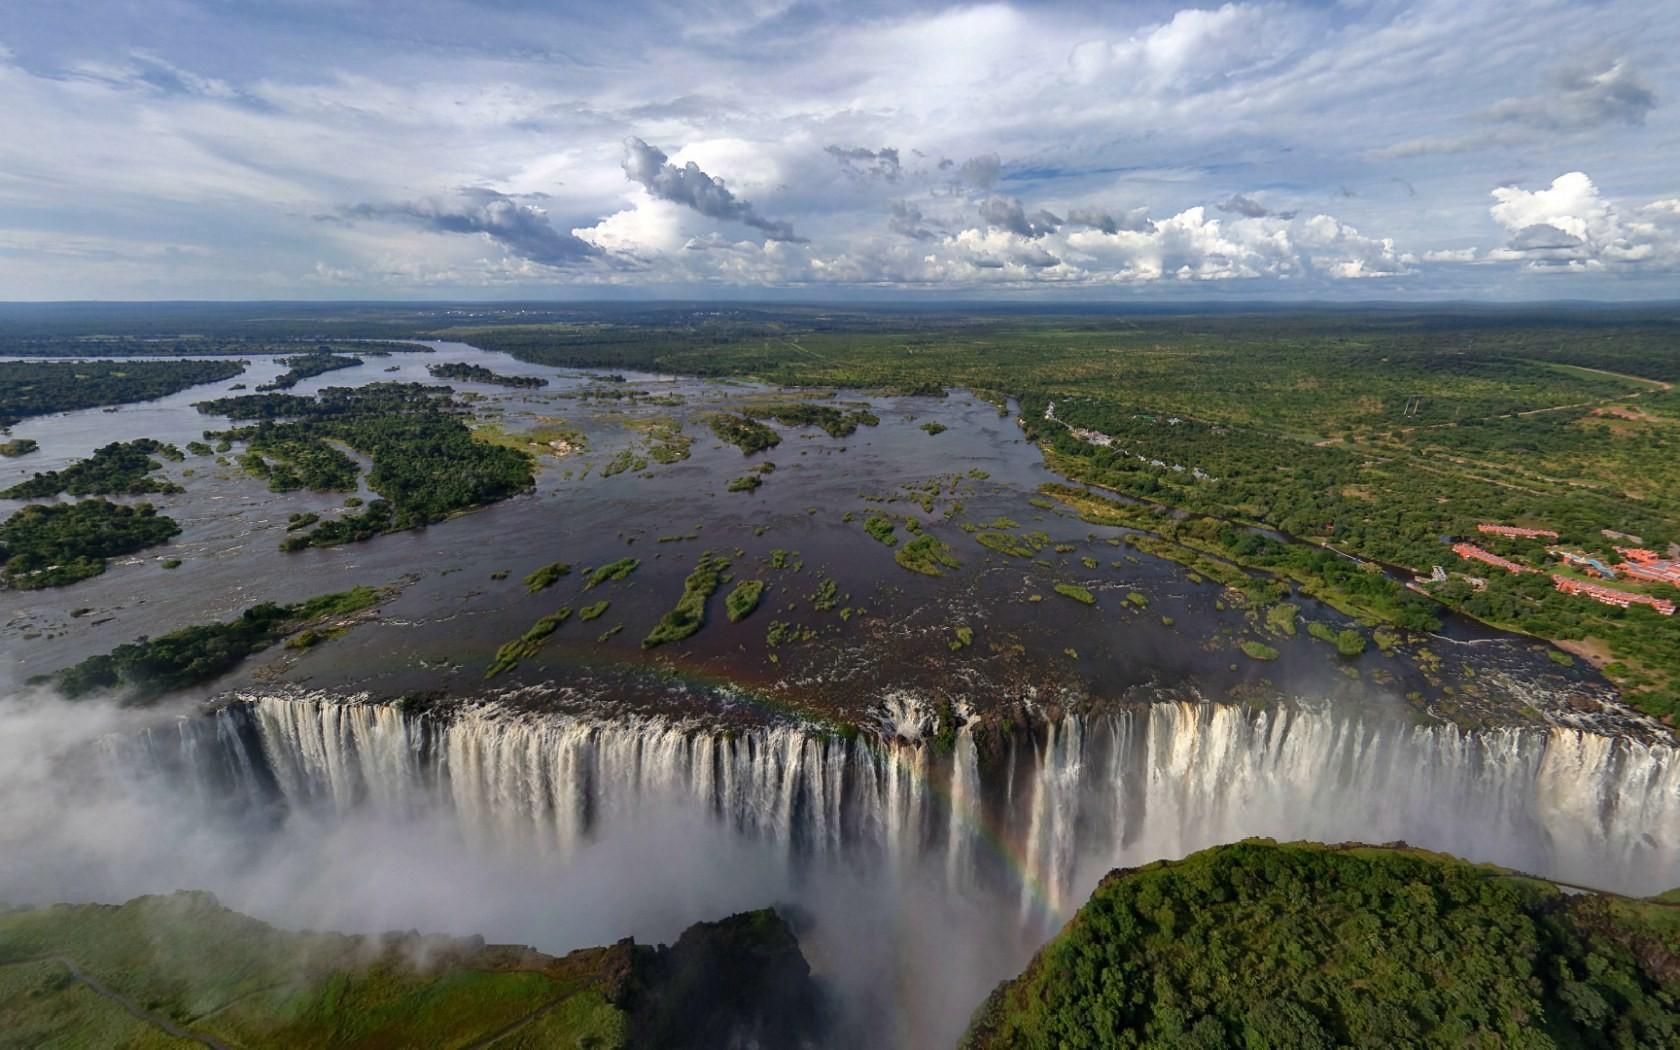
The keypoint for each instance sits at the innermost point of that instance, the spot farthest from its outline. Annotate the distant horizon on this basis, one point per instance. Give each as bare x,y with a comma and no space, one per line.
481,151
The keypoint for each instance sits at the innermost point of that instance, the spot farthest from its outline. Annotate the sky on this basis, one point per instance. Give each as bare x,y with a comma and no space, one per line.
499,149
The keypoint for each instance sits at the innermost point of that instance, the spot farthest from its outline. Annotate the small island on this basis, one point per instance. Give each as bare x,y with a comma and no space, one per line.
465,373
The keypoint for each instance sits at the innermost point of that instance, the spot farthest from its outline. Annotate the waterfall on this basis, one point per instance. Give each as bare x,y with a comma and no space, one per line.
1039,815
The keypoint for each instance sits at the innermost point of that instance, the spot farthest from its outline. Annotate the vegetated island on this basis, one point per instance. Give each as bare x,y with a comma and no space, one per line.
1265,945
39,388
172,969
1339,453
306,366
122,468
18,447
460,370
147,669
746,434
427,465
55,544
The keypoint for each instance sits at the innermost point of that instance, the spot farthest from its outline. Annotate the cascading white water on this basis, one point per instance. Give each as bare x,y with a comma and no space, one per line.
1049,813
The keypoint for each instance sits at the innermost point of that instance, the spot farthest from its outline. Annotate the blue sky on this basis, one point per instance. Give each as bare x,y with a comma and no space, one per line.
1358,149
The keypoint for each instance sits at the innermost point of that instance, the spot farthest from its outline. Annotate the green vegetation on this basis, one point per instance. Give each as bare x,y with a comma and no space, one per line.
289,460
613,570
926,555
782,633
172,563
1280,619
1265,945
122,468
689,615
964,637
1360,439
834,422
38,388
1023,545
934,429
747,483
466,373
1077,593
545,577
307,366
426,464
627,459
526,645
18,447
827,595
1348,642
743,599
594,611
1137,599
746,434
1257,650
881,527
51,545
186,961
149,668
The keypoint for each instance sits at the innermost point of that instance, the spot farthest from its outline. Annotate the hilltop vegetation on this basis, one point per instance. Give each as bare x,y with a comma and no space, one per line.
37,388
51,545
1266,945
186,961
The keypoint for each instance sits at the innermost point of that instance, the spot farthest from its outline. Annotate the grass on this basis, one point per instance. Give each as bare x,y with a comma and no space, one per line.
615,570
593,612
881,528
1076,592
1257,650
927,555
545,577
689,615
743,599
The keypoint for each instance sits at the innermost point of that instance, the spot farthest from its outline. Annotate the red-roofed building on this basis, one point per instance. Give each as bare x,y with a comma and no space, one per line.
1611,596
1472,552
1516,532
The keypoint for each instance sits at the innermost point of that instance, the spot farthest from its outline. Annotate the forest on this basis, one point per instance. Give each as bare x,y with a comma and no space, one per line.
426,463
1264,945
464,372
54,544
38,388
148,668
306,366
122,468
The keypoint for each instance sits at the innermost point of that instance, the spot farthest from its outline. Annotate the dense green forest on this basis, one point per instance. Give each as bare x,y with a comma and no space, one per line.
151,667
306,366
230,980
122,468
54,544
479,374
426,463
1265,945
38,388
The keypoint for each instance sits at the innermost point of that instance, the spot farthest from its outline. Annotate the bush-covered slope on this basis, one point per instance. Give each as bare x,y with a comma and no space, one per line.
1264,945
70,974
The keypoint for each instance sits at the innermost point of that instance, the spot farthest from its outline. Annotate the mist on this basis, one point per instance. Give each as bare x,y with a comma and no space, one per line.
904,961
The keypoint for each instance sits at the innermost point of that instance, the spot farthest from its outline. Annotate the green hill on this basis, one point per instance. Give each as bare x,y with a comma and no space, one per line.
182,971
1260,945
